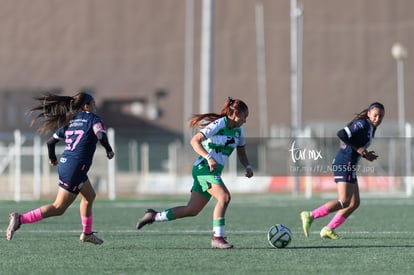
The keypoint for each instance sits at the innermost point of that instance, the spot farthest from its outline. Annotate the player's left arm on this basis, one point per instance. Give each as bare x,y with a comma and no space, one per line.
241,154
100,133
105,143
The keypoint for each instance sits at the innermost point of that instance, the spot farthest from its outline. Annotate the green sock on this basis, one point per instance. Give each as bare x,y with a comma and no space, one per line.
170,215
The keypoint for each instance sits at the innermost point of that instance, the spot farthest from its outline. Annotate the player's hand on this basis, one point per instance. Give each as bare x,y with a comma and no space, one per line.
110,155
212,163
371,156
249,172
53,162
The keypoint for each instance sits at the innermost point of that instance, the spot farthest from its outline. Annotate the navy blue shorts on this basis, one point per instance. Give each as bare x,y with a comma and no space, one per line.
72,174
344,172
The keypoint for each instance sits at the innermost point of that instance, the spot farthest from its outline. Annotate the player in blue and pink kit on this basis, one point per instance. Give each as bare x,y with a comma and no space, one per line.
80,128
356,138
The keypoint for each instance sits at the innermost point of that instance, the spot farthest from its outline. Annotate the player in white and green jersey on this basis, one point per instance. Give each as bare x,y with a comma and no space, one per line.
222,133
219,143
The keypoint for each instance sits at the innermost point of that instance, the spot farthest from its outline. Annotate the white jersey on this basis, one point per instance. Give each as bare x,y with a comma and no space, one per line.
221,140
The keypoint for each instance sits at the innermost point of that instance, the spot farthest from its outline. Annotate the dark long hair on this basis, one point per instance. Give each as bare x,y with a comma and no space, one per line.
56,111
230,106
364,113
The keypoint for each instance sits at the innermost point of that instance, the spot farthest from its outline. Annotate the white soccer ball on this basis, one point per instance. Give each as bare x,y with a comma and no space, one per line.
279,236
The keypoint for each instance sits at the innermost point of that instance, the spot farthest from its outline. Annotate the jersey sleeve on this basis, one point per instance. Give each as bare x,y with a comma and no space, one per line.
212,128
242,139
98,126
356,134
356,127
60,133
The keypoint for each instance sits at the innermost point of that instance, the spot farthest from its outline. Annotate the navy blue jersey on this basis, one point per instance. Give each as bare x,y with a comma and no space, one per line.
80,137
360,134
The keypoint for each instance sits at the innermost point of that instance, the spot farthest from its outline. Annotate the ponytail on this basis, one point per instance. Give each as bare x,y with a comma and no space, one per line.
230,106
56,111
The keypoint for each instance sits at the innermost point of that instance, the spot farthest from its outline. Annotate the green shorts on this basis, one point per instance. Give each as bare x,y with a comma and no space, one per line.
203,178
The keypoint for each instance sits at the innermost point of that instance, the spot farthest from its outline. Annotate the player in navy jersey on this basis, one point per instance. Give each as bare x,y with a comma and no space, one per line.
80,128
214,143
356,138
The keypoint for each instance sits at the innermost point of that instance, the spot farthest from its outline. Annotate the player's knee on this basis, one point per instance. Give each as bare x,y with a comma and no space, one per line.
192,212
354,204
224,200
59,210
344,203
88,201
348,203
90,198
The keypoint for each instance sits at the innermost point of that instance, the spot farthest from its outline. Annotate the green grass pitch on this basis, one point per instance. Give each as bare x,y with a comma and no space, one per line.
377,239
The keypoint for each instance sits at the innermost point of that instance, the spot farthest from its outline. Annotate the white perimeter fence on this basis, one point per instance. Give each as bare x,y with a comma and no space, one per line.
299,166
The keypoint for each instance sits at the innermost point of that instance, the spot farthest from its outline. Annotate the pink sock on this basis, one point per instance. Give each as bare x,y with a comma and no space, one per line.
31,216
336,221
320,212
87,224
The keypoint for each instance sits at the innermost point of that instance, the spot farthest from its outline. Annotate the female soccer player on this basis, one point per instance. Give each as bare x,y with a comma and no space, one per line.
356,138
80,128
222,133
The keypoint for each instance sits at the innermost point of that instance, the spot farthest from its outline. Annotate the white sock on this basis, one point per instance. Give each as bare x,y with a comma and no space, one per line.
161,216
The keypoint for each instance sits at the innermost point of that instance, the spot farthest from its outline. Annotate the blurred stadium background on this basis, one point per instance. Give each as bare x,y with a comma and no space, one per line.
304,67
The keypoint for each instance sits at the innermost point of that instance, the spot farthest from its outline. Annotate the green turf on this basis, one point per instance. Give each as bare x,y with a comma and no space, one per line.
377,239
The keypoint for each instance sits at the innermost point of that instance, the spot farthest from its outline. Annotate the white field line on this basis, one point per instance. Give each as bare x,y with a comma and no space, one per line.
258,201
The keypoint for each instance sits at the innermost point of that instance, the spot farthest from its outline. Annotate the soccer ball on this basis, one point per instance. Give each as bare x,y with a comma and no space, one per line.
279,236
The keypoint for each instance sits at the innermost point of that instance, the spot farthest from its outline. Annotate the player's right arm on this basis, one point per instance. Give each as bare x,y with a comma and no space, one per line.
196,143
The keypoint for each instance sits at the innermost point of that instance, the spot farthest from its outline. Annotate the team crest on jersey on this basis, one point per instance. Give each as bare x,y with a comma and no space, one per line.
63,160
359,124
